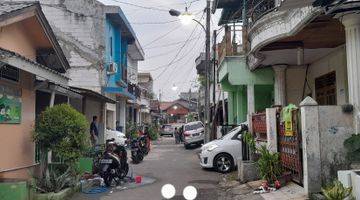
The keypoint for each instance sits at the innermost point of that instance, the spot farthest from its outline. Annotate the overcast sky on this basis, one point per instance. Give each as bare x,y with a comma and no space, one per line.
160,51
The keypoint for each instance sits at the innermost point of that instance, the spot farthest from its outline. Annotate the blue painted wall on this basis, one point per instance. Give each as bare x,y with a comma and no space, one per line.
115,51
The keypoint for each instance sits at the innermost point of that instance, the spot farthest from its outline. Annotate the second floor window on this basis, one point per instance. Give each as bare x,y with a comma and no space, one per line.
111,46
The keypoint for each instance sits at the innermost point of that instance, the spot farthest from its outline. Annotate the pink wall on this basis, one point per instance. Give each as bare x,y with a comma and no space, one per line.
16,146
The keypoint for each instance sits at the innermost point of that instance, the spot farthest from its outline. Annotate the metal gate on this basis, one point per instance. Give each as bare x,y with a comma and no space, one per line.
290,147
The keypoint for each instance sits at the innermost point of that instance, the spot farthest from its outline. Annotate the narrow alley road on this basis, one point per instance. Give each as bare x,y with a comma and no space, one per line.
168,163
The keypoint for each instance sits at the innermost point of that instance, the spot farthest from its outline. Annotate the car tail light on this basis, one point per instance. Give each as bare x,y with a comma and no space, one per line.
186,134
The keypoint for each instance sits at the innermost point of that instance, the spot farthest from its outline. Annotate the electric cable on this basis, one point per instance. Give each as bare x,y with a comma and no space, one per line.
140,6
181,48
162,36
171,44
174,61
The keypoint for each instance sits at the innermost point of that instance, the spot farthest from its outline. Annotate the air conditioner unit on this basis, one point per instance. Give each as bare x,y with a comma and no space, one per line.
112,69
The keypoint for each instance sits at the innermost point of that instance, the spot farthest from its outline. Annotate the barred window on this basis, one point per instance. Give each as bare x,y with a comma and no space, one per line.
10,73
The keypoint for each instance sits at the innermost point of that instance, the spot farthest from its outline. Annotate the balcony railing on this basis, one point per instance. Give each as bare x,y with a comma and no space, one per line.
231,43
258,8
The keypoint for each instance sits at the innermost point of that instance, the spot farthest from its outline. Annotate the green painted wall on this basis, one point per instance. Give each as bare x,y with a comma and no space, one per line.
234,76
14,191
242,104
264,97
235,70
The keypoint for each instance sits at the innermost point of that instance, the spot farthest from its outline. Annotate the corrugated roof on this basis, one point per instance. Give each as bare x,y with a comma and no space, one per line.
4,53
9,7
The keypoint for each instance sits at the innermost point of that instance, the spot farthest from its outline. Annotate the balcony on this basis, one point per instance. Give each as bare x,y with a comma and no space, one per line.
258,9
231,43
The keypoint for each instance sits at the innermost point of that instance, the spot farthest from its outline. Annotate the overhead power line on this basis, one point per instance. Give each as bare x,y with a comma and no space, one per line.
154,23
162,36
172,44
140,6
177,54
175,61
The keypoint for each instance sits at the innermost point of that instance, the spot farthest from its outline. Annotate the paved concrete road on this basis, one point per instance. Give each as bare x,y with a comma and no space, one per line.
168,163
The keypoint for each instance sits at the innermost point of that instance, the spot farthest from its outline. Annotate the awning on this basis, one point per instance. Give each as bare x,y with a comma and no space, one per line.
25,64
48,87
120,92
90,93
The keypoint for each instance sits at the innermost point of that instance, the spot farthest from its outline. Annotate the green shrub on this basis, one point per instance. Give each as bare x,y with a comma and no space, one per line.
250,140
132,130
64,131
269,164
352,146
336,191
153,132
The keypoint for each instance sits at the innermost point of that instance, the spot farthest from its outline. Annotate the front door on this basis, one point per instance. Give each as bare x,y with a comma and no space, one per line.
325,89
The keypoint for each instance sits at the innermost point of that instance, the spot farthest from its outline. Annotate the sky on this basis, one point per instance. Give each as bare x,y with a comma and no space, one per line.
170,47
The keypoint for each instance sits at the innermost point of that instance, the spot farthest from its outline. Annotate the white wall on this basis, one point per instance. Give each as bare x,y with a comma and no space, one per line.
132,70
295,77
335,61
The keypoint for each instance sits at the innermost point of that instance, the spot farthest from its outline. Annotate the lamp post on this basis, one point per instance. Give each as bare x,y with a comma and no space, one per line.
186,17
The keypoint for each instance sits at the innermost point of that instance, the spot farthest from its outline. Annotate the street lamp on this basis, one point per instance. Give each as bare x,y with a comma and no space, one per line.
185,18
174,87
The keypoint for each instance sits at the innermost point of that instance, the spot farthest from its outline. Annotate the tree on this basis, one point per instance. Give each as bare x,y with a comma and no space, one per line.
64,131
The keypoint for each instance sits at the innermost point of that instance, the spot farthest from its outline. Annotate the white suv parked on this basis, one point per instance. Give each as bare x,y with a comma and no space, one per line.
222,154
193,133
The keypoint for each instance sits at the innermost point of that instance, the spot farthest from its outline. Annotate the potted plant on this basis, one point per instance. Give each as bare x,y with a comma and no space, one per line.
352,146
336,191
63,131
269,165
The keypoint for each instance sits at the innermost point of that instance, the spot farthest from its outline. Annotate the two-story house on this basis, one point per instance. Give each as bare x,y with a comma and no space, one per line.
312,49
95,39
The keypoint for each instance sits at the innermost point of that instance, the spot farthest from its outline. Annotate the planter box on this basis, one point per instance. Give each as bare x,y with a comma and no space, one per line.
63,194
247,171
85,165
14,189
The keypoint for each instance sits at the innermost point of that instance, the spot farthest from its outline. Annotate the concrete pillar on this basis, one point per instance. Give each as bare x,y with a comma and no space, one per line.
352,31
280,84
250,104
271,129
311,145
251,99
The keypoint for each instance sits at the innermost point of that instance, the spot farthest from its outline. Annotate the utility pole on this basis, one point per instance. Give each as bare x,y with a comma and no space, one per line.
207,75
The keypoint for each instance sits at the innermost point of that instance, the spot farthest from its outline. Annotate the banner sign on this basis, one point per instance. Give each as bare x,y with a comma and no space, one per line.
10,105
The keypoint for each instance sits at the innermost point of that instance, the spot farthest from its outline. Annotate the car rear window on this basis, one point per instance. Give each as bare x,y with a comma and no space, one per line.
193,126
168,127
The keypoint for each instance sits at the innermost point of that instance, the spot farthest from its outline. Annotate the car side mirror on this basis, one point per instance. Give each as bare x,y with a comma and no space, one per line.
239,136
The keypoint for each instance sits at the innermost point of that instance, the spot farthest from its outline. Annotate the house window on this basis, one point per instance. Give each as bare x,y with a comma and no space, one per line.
111,46
325,89
10,73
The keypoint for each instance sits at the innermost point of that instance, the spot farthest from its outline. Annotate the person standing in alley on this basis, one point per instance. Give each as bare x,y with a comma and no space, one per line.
176,134
94,131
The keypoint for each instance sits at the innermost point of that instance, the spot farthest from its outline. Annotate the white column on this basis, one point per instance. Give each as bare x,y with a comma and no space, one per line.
280,84
352,31
250,104
271,129
122,117
251,99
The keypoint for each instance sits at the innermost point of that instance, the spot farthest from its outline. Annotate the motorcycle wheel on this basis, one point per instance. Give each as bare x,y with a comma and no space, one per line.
108,179
141,157
124,171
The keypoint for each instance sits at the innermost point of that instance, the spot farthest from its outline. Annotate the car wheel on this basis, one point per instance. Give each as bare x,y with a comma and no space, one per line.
187,146
224,163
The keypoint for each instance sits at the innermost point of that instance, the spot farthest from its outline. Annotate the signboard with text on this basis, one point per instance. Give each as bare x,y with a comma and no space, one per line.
10,105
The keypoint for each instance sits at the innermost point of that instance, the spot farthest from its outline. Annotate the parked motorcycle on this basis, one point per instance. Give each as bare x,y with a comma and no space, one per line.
144,143
137,154
113,164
